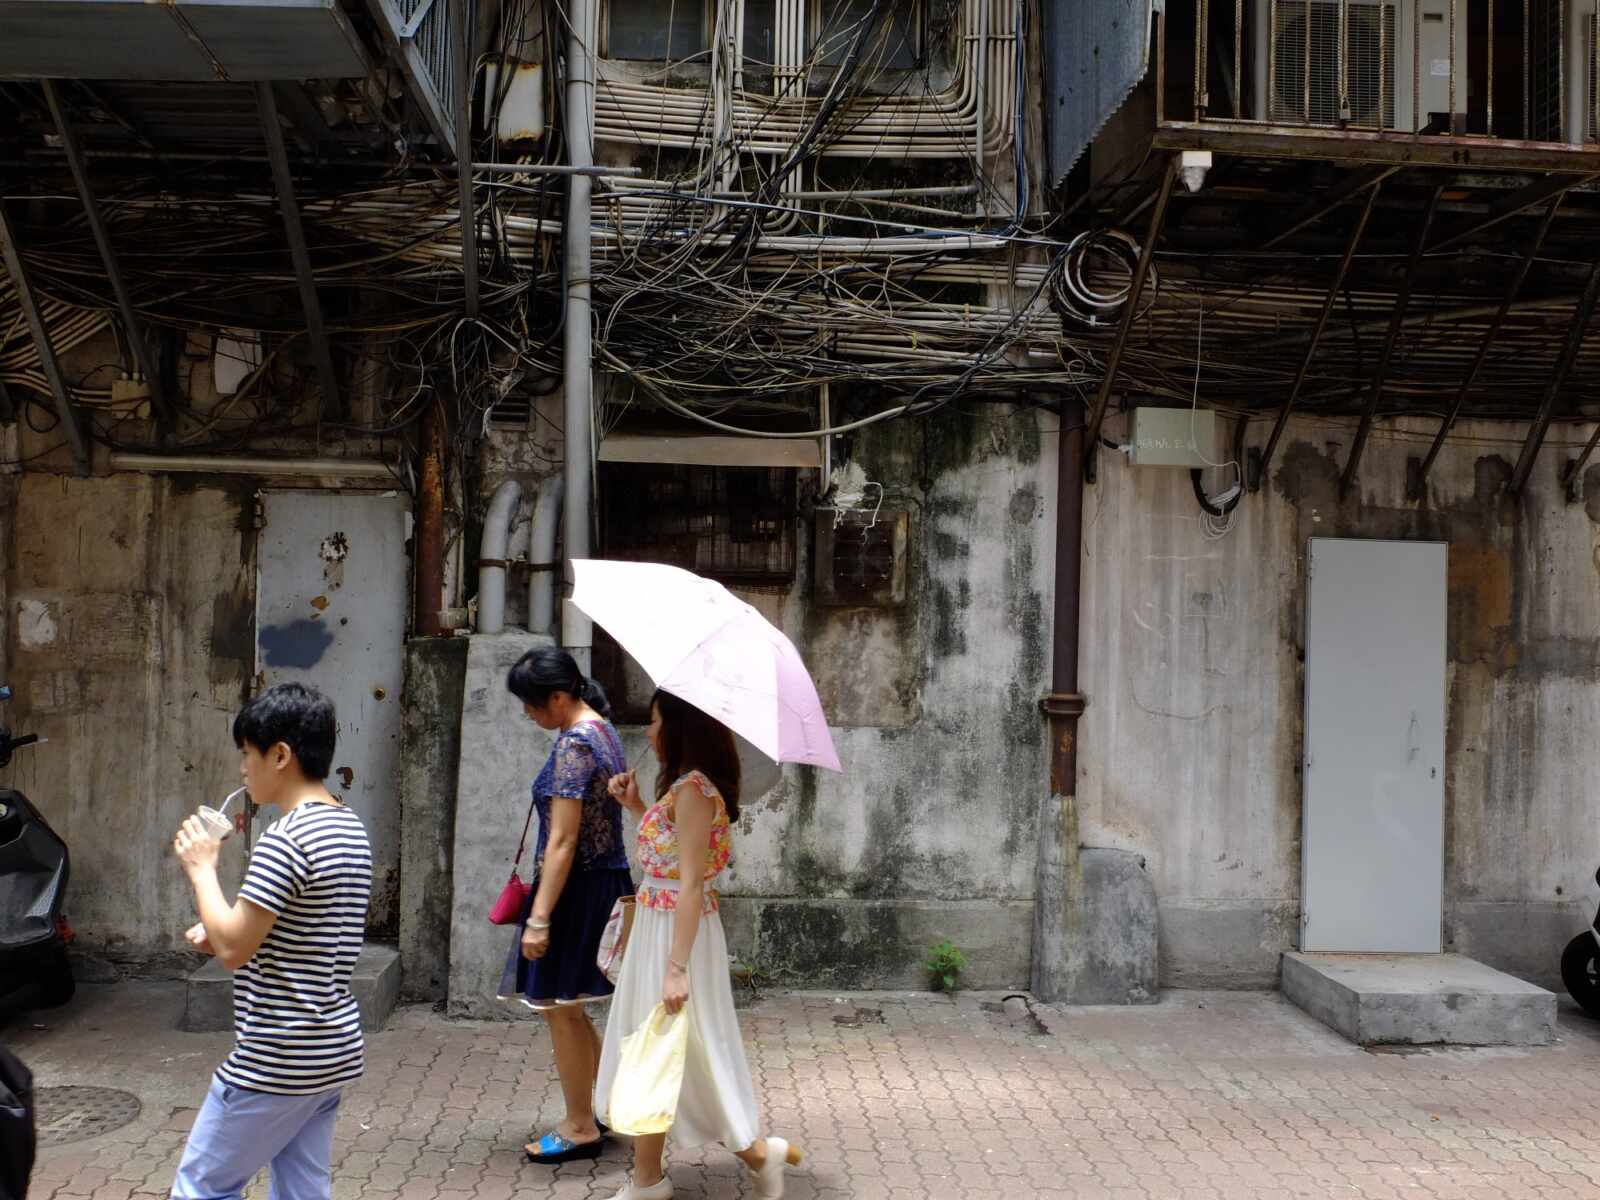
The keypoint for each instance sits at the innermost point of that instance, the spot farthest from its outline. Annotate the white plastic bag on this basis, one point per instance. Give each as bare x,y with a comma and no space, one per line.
644,1098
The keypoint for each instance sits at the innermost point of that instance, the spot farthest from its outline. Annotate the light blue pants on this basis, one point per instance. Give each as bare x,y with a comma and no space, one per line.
238,1131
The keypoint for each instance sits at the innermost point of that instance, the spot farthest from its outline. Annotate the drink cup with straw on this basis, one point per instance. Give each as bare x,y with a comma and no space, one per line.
215,820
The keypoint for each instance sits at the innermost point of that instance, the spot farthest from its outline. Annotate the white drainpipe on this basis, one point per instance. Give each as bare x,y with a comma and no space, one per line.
492,557
577,632
542,554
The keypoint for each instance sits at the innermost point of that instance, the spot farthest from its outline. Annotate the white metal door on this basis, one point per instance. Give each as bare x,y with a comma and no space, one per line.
331,612
1374,746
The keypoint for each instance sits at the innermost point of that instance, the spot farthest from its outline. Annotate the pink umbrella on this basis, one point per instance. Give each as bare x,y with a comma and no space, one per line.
703,644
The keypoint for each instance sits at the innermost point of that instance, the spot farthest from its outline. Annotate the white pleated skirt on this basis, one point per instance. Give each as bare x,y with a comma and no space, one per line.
718,1102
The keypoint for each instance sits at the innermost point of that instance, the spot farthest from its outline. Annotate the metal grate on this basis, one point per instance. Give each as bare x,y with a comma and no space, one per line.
1307,45
735,524
74,1114
1544,70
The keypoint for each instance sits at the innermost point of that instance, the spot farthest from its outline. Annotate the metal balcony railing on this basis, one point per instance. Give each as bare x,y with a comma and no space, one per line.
1502,69
431,37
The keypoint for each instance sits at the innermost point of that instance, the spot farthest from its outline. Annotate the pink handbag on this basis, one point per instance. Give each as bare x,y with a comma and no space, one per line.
513,900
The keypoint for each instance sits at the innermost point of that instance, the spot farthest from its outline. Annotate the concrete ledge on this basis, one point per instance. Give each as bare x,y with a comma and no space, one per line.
208,995
1419,999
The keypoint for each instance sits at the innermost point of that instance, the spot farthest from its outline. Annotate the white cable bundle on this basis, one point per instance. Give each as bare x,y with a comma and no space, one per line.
847,489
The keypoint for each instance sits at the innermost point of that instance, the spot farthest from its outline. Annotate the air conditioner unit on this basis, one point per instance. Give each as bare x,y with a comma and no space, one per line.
1297,52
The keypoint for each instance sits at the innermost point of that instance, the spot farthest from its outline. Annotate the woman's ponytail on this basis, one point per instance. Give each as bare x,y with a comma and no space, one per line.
592,694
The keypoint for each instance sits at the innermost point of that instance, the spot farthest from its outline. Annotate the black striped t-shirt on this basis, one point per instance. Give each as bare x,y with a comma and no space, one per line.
297,1029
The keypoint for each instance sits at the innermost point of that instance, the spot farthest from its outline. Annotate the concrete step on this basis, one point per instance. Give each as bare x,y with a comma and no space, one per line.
208,998
1419,1000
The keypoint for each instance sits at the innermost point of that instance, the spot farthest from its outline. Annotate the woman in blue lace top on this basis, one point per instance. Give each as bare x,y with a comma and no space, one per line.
583,869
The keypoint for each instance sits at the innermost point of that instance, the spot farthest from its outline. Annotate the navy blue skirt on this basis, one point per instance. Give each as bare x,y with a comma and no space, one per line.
567,973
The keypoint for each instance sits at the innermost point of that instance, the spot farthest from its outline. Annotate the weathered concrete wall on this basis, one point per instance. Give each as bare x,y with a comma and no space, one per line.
430,760
1191,660
501,751
130,646
847,880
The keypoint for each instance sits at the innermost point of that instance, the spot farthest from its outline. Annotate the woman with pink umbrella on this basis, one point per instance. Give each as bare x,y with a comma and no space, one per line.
677,951
721,669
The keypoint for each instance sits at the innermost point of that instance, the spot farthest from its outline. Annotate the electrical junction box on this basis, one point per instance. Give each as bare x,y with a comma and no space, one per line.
1173,437
521,116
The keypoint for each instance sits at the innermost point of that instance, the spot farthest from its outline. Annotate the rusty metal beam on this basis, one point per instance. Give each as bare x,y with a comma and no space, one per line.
1558,377
1350,186
1386,356
12,256
1316,333
278,154
429,580
1420,484
1253,139
1130,310
142,354
1551,187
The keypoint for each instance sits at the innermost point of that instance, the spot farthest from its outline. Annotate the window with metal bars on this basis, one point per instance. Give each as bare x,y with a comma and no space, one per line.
1305,71
734,524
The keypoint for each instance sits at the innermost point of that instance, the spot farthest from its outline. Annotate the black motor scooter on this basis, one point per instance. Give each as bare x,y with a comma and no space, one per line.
1580,966
34,870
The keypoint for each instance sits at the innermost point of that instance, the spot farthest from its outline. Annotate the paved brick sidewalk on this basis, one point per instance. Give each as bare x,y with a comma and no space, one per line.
1205,1095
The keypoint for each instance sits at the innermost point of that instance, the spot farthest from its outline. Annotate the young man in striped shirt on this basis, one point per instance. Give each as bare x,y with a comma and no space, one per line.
291,939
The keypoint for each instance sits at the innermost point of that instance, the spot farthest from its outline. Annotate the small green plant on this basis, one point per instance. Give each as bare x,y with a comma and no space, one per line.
945,964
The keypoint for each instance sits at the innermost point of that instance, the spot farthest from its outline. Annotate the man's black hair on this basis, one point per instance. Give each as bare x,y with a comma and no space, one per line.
300,717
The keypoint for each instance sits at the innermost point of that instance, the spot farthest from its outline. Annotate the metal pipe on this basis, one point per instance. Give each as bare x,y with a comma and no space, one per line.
1056,879
1316,334
1396,319
12,255
1558,377
1420,486
492,556
1416,67
243,464
1343,46
1160,17
1489,86
490,168
577,632
1238,58
267,104
428,580
1452,117
1130,310
542,556
108,259
466,74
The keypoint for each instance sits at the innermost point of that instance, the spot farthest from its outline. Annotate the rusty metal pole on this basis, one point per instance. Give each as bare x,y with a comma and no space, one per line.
429,579
1058,880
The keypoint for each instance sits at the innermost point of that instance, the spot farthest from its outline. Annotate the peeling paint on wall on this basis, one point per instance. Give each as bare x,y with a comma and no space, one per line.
298,644
36,623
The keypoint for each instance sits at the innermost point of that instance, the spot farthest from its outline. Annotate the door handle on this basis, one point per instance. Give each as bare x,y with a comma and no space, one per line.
1413,738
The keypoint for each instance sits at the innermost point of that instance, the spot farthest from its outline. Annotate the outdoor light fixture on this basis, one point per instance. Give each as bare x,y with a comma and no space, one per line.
1192,166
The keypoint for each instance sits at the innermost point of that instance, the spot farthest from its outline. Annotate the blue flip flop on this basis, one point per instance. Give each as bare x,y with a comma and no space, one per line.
553,1148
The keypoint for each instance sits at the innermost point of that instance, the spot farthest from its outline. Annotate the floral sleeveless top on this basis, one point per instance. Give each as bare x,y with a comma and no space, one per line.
581,763
658,847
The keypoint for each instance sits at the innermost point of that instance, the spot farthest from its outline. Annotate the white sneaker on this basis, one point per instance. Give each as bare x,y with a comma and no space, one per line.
769,1180
656,1191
